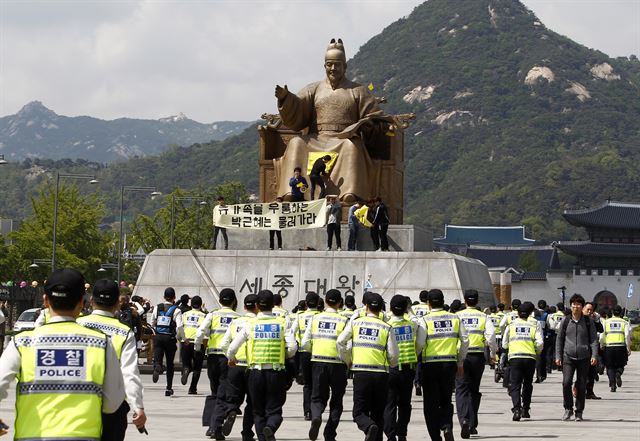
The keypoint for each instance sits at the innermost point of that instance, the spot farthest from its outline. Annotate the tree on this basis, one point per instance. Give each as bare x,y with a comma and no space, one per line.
192,221
80,243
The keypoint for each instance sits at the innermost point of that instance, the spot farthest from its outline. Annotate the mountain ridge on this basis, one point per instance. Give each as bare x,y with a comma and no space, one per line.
37,131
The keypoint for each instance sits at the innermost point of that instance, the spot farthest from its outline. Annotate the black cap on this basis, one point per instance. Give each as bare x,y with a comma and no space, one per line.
424,296
435,295
471,294
515,303
227,295
250,301
312,300
169,293
265,299
106,292
333,296
398,304
184,298
374,300
349,300
65,283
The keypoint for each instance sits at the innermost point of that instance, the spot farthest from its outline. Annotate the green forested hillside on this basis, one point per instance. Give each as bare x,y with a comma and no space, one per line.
514,123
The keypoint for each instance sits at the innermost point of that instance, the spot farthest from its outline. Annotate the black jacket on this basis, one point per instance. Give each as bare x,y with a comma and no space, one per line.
381,215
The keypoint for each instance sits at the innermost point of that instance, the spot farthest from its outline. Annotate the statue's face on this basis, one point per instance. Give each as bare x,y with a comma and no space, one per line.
335,69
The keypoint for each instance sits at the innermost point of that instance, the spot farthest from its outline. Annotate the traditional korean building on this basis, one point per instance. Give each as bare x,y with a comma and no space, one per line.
611,255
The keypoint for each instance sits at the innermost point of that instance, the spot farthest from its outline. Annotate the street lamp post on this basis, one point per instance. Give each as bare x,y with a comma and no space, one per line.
92,180
154,192
175,198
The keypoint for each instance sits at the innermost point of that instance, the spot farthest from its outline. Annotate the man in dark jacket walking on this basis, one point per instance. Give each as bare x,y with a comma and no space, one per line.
576,349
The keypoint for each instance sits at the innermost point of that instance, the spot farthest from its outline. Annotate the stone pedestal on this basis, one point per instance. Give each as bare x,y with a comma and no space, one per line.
401,238
294,273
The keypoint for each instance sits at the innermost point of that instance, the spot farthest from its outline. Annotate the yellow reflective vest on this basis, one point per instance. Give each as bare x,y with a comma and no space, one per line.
266,344
522,339
192,320
404,331
304,320
421,309
369,346
614,332
475,322
110,326
236,326
220,321
443,333
59,391
325,329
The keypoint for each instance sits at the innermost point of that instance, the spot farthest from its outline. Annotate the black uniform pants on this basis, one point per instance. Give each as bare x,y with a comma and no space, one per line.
217,370
230,400
317,181
307,378
114,425
331,230
192,360
550,343
370,390
164,346
397,412
521,382
217,230
268,393
468,394
541,361
581,370
278,234
379,236
438,381
328,378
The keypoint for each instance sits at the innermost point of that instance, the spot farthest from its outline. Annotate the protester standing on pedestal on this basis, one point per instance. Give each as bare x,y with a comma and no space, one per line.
222,230
334,219
276,233
380,225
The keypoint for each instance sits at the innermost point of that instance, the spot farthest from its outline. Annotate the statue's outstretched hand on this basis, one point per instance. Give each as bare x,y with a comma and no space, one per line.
281,92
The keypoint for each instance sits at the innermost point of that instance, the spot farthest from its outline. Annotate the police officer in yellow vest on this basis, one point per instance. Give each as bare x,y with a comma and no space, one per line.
422,308
482,334
237,376
67,374
616,341
409,333
328,370
268,345
524,341
349,306
192,360
278,310
304,357
366,344
213,328
443,356
104,303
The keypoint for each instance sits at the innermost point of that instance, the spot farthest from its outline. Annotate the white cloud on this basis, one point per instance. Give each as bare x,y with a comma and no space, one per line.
215,60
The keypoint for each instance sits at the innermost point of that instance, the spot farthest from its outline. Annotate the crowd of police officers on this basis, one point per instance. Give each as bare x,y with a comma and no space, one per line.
76,383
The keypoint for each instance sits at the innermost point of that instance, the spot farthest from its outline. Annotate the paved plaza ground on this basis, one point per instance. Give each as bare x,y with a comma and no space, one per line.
615,417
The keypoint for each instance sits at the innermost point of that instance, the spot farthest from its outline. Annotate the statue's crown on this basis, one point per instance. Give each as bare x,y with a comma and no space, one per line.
337,46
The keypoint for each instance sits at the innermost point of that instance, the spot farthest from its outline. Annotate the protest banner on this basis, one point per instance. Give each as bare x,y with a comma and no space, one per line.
272,216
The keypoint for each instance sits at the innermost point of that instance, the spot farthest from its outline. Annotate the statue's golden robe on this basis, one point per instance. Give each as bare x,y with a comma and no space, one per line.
327,113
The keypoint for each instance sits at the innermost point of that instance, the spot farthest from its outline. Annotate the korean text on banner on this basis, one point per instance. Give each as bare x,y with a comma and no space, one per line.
272,216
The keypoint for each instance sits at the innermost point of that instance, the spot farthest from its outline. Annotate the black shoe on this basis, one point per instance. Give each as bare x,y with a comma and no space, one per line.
268,434
517,414
578,416
418,391
209,432
568,413
538,380
307,416
372,433
526,414
465,433
168,392
228,423
193,392
315,428
185,376
156,375
592,396
618,380
218,435
448,434
402,438
474,431
613,388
